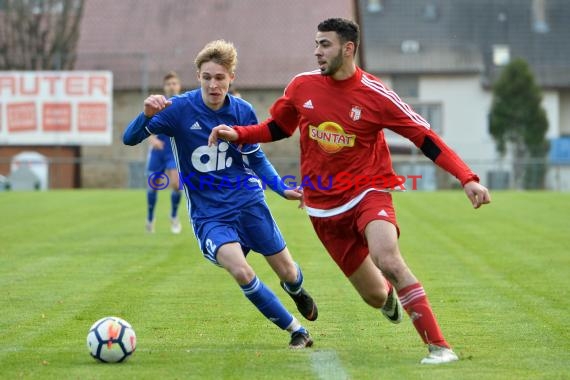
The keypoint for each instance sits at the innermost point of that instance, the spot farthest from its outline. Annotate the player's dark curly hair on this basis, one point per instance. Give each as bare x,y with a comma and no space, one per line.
347,30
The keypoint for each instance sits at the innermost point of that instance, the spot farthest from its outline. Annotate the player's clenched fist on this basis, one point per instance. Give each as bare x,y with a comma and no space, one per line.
222,132
154,104
477,194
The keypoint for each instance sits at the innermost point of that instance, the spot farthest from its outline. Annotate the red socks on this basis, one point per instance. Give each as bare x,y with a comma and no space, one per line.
416,304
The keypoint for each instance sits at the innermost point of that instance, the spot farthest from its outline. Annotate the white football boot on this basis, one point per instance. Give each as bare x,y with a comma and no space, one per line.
149,227
439,355
175,226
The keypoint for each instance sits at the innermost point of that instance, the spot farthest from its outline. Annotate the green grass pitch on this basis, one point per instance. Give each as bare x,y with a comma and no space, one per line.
498,279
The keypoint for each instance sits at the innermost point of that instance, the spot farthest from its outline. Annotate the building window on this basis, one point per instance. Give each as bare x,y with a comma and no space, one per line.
501,55
432,113
539,22
374,6
430,12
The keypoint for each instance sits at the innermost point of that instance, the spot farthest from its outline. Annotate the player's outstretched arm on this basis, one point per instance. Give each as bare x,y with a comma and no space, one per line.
136,131
265,171
295,195
478,194
222,132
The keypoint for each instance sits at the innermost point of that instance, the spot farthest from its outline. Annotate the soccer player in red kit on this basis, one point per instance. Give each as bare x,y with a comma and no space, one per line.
341,112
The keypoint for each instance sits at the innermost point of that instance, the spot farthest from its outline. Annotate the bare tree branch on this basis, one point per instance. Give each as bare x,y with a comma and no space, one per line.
39,34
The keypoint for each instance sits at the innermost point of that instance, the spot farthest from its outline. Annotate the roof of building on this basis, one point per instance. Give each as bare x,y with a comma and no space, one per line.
449,36
140,40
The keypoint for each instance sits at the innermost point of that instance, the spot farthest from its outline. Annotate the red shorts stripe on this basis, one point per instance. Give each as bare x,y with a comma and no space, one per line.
343,234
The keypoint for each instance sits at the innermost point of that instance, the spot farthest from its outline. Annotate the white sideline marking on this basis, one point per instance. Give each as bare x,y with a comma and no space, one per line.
327,366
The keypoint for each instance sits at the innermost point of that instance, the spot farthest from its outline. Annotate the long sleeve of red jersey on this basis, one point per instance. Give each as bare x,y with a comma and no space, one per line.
400,118
439,152
281,124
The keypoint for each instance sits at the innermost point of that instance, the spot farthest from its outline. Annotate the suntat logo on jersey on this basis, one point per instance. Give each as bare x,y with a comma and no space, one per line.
331,137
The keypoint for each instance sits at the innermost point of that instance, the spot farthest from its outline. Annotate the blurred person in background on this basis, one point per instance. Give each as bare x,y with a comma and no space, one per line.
161,160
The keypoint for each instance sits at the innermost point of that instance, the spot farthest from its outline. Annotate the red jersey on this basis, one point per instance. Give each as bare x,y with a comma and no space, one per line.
344,154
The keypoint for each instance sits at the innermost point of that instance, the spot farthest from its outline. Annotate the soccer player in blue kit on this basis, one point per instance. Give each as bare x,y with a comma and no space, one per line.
227,205
161,160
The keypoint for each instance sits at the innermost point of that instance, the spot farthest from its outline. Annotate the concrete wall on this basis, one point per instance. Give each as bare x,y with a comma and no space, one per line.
465,114
107,166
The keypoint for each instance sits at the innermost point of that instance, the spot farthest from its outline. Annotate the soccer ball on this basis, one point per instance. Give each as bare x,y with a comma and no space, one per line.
111,340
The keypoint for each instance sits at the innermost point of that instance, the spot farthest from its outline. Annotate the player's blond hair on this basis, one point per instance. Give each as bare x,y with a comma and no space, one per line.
221,52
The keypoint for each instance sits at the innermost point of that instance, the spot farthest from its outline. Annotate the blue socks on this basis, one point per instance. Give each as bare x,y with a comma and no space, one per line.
151,197
267,303
175,201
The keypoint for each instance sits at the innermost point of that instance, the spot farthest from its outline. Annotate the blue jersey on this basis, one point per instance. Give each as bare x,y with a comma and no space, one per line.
160,160
219,179
166,140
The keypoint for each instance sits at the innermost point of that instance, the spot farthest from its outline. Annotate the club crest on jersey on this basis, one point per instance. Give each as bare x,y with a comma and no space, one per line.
331,136
355,112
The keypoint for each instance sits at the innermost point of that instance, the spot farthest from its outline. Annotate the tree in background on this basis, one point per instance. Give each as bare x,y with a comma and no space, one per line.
39,34
519,121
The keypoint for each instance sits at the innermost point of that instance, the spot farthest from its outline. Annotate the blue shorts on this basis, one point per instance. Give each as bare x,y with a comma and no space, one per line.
160,160
252,227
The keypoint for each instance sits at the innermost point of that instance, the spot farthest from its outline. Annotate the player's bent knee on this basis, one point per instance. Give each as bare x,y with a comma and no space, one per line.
243,274
288,273
394,269
283,266
374,296
376,299
388,261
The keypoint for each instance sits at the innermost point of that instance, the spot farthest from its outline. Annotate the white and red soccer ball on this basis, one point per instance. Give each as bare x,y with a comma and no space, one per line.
111,340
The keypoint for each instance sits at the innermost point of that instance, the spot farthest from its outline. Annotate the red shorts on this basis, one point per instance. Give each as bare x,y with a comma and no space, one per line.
343,234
